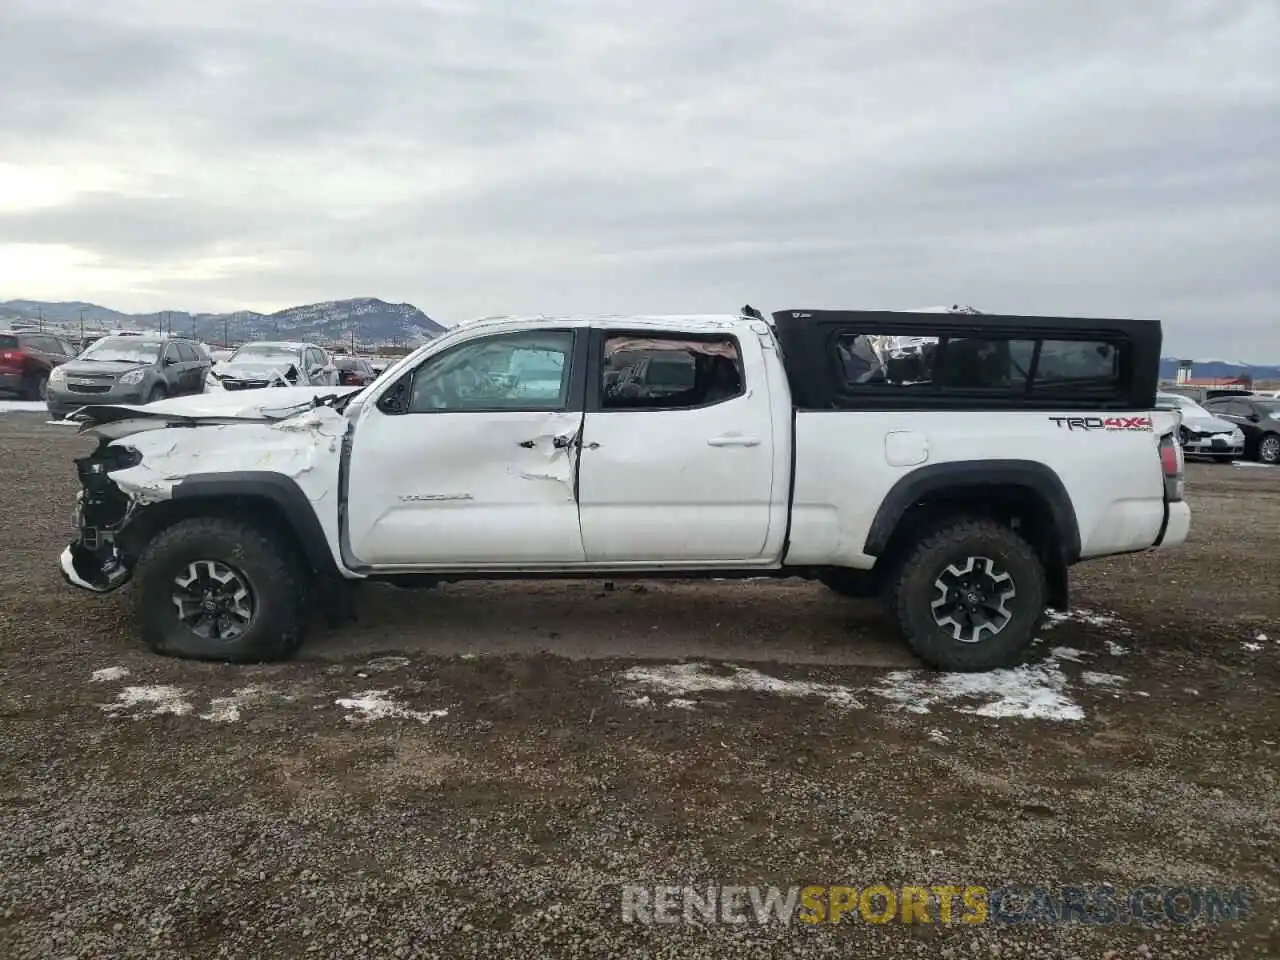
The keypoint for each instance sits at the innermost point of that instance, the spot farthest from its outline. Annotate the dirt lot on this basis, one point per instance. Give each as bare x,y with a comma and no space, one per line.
187,810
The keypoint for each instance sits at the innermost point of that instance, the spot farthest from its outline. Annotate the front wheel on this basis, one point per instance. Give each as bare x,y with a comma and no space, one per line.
1269,449
969,596
210,588
156,394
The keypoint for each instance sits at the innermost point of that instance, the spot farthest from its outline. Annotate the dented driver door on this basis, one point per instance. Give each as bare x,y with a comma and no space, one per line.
471,460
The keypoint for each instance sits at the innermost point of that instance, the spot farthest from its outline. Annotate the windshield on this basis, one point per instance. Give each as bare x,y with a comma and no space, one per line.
122,349
263,352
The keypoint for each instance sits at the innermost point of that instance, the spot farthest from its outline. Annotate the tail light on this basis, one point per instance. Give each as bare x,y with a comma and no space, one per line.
1171,462
10,358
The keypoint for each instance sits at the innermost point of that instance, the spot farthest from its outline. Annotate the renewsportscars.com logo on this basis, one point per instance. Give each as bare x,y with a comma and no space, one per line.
1104,423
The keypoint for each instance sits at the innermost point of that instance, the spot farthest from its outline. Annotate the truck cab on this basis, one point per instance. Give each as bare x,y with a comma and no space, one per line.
956,481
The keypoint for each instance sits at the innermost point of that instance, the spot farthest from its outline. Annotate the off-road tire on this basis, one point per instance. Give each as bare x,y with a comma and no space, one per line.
910,591
156,394
275,575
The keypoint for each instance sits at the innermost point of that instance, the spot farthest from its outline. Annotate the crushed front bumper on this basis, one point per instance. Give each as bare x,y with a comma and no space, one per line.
82,569
94,560
1212,445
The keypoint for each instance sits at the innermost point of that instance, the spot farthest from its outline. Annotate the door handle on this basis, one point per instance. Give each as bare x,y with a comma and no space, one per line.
564,441
527,444
733,441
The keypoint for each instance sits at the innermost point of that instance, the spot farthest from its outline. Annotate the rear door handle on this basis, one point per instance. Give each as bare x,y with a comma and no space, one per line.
733,441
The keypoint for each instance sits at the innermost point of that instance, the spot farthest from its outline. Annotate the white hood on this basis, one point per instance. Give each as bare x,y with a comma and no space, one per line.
270,403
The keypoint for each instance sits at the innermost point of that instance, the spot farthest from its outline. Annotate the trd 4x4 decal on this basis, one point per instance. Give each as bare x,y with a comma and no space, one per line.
1101,423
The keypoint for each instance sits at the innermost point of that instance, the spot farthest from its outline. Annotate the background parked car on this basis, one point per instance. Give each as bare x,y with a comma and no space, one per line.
1204,434
1259,420
27,360
354,371
127,369
270,363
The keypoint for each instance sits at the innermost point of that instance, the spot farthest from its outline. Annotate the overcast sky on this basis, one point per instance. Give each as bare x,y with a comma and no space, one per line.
474,157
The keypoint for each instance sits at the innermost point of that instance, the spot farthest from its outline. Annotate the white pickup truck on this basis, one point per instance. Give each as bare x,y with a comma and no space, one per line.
956,481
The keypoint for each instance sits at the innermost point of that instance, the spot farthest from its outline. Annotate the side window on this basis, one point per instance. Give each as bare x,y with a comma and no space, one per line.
171,352
185,353
976,362
515,371
669,372
1078,366
980,363
869,359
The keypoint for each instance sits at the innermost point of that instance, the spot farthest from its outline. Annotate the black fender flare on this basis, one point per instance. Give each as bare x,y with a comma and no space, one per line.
281,491
975,474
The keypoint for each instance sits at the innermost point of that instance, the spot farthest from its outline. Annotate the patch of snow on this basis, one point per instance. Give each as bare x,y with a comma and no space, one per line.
1033,692
1115,649
107,674
1067,653
161,699
640,702
376,705
62,423
682,704
227,709
383,664
1055,618
23,406
937,736
1094,679
1250,463
684,678
1262,638
1251,647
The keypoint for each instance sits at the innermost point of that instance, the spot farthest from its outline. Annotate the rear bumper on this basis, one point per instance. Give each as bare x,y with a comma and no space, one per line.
11,381
1177,527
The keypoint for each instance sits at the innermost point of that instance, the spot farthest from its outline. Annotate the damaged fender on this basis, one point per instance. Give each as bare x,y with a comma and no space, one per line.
149,457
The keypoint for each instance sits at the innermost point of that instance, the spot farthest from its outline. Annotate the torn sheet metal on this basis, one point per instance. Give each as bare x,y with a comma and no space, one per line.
112,421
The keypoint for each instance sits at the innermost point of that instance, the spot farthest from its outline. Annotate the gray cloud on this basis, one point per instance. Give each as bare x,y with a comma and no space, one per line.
603,156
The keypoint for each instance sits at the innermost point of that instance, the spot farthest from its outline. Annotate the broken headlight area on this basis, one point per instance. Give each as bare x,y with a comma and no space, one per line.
93,560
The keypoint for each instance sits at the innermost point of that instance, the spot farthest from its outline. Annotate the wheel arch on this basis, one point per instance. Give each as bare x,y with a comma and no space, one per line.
1026,494
273,501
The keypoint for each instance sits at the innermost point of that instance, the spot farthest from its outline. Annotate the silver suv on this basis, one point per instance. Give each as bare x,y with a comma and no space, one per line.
127,370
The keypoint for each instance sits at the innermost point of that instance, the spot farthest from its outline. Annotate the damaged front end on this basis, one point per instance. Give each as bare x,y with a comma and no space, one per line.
95,559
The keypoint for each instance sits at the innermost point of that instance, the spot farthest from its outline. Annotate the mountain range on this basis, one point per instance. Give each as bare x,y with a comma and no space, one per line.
372,320
1219,370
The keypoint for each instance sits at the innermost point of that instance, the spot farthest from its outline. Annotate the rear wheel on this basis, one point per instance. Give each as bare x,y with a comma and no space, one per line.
969,595
210,588
1269,448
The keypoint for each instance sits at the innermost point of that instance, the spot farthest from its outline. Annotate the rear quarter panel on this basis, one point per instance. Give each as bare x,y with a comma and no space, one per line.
847,462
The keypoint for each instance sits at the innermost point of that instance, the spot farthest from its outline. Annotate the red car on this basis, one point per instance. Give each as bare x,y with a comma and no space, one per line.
26,359
354,371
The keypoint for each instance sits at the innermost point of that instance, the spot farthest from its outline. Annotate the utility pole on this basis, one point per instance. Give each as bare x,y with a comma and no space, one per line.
226,332
81,329
40,318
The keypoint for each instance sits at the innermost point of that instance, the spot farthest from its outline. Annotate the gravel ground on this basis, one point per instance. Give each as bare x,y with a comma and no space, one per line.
475,771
